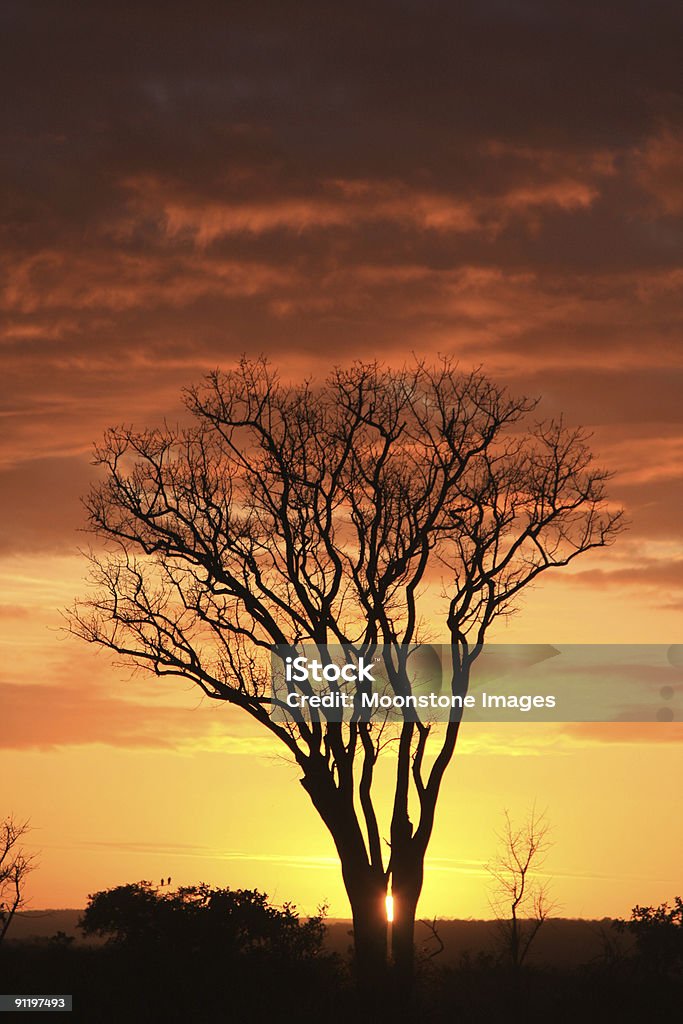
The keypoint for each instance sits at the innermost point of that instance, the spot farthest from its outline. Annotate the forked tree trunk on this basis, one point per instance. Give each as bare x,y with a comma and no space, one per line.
365,884
381,976
406,886
403,937
368,906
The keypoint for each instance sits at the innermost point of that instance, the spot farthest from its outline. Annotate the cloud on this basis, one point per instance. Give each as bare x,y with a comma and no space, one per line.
45,512
293,859
664,574
589,733
44,717
541,740
347,204
9,611
658,170
115,281
446,180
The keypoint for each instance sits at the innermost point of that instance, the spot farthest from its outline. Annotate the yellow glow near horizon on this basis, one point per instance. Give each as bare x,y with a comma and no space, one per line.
390,907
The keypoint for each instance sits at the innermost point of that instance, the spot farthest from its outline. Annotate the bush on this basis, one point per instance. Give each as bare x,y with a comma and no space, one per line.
200,920
658,932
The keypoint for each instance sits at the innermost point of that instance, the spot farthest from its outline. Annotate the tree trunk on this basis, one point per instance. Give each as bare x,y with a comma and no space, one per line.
406,886
365,883
368,906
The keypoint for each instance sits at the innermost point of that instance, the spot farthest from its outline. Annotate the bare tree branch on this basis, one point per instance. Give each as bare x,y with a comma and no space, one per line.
15,866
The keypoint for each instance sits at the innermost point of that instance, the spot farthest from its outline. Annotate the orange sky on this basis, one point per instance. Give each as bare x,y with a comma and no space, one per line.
504,185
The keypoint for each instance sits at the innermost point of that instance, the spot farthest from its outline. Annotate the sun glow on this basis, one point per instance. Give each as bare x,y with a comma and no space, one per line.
390,907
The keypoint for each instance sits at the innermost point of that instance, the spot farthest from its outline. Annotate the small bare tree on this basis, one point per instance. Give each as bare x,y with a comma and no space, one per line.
15,867
520,898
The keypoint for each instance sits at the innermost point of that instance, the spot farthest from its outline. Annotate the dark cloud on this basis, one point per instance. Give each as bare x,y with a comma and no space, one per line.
655,506
433,62
495,179
44,512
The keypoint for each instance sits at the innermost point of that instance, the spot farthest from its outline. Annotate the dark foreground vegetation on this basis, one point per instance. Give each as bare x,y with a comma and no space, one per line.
201,954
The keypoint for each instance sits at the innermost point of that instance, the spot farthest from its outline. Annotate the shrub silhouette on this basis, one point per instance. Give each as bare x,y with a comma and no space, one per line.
200,919
658,932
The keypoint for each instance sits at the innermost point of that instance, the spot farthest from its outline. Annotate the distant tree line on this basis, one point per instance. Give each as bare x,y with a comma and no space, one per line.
185,954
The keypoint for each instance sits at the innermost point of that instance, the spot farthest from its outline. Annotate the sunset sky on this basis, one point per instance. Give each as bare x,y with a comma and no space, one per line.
498,180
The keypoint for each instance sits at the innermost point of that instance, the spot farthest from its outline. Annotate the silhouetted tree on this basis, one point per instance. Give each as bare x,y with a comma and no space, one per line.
520,899
290,514
15,867
658,932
